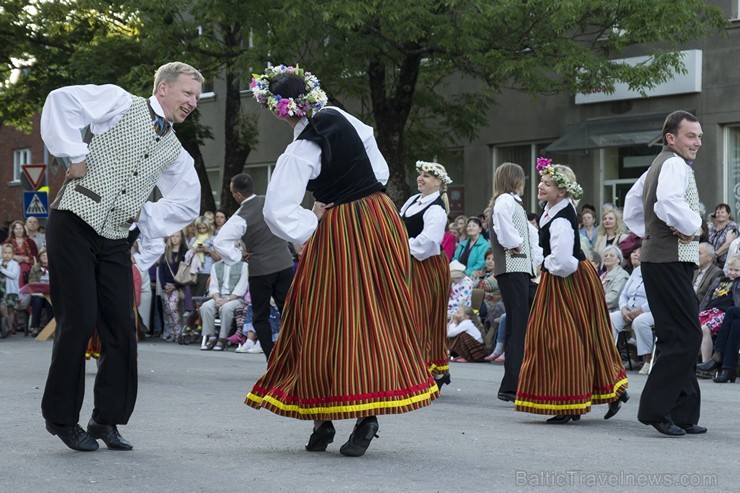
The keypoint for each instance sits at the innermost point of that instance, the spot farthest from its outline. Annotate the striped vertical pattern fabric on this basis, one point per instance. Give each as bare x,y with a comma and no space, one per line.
570,360
465,346
348,346
430,288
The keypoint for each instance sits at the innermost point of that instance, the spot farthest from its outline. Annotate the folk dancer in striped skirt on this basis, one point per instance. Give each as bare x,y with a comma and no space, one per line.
570,360
347,345
516,254
425,217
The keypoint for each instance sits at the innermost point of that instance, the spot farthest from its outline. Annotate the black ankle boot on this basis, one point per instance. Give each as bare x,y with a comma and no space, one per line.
726,375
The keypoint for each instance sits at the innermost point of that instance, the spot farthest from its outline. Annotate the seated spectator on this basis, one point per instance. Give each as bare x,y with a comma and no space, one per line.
611,231
721,232
498,355
472,252
492,307
39,274
10,273
707,272
227,288
588,227
461,289
450,240
614,276
723,294
33,231
24,249
464,338
634,312
726,349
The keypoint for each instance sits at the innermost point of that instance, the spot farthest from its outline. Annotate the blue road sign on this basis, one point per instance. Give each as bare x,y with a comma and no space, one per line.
35,204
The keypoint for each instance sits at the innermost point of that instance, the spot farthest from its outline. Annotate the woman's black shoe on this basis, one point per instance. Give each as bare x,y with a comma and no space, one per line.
561,419
726,375
360,438
709,365
444,379
321,437
615,406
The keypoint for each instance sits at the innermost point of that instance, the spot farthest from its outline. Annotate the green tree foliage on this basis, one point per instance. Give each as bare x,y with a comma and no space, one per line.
425,72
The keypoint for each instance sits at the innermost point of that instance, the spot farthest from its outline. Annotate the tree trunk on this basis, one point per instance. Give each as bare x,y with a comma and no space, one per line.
237,147
207,202
391,115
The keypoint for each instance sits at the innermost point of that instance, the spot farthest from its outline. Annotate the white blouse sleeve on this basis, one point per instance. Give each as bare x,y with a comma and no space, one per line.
283,212
671,206
503,223
534,243
427,243
561,261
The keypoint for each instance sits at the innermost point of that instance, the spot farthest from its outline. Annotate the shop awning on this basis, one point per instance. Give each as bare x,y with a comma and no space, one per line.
611,132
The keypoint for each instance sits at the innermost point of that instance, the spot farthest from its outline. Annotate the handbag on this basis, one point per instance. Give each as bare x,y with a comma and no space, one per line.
184,276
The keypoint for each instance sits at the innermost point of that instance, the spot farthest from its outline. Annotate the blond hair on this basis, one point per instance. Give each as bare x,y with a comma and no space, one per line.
169,72
620,227
471,315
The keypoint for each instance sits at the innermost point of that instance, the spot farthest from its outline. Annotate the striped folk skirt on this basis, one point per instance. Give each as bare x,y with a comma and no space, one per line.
430,288
348,346
466,346
570,359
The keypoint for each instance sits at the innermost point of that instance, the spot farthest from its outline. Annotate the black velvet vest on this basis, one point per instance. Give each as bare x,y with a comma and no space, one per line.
415,224
346,172
568,213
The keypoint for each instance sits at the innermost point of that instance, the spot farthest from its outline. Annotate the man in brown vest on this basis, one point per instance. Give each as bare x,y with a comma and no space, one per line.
662,207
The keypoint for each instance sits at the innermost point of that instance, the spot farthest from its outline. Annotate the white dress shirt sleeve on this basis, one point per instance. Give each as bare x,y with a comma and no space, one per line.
68,110
561,261
634,214
241,287
427,243
213,287
225,241
671,206
534,243
180,202
150,249
503,223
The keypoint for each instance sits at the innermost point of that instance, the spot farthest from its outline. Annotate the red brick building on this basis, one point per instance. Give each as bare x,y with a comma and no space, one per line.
18,148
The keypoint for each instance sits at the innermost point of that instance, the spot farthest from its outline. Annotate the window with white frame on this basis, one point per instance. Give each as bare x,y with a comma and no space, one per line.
732,166
20,157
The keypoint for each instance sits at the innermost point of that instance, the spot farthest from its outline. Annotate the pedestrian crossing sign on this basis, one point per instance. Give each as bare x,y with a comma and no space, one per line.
35,204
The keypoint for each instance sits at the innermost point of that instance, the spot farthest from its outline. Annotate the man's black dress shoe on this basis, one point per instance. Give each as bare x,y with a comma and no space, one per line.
615,406
668,427
507,396
321,437
109,434
693,429
360,438
561,419
73,436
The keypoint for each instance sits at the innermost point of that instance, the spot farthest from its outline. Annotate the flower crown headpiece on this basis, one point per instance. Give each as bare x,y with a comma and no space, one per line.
545,167
435,169
308,104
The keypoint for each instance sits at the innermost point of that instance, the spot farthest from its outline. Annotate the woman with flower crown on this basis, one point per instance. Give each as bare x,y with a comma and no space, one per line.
570,361
347,345
425,217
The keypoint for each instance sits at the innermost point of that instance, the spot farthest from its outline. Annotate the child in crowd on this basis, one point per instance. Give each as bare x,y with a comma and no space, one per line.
464,337
461,290
10,272
723,294
172,291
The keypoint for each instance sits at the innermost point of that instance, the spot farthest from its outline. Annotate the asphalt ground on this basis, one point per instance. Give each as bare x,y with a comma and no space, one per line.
191,433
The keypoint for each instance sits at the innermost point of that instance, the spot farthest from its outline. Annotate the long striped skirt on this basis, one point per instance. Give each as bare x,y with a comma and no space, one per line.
466,346
430,287
348,347
570,359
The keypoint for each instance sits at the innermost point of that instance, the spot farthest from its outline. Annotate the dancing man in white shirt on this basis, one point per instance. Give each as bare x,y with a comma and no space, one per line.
116,147
662,208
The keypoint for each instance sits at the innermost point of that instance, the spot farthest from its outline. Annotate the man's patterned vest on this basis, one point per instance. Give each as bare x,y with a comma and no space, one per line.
123,167
235,274
660,244
508,261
